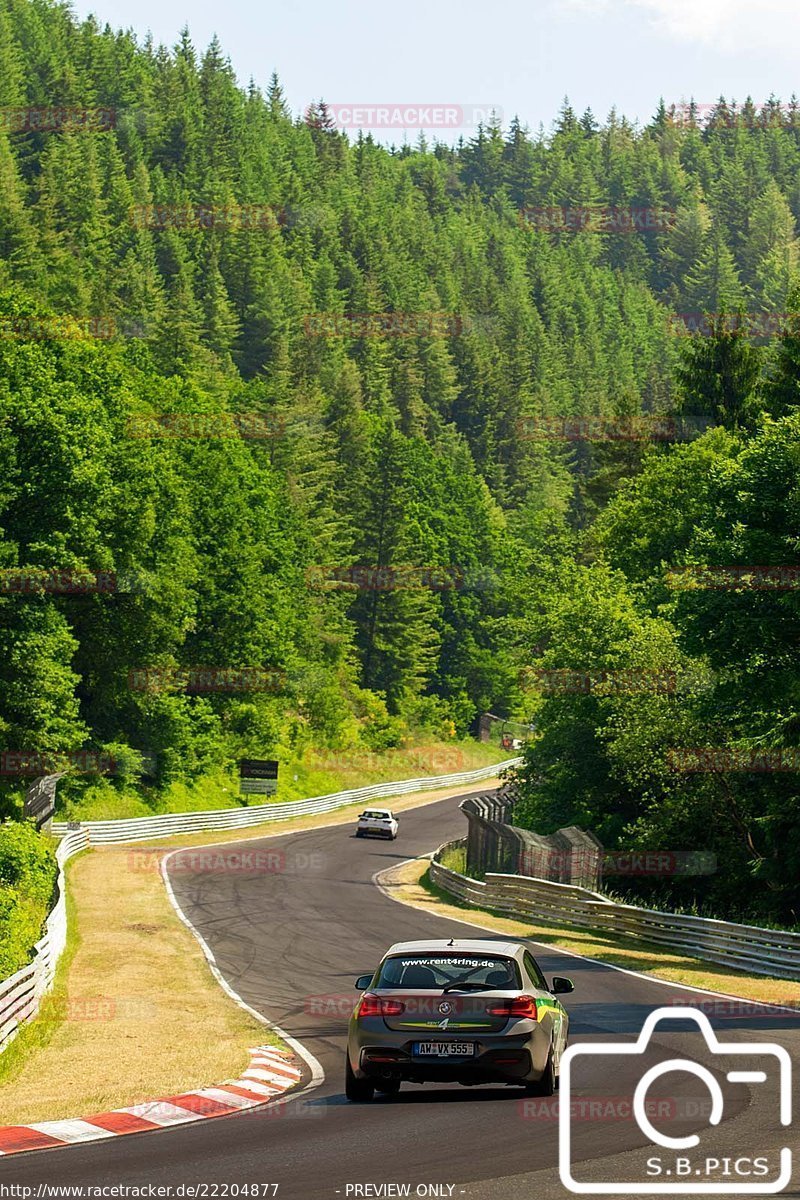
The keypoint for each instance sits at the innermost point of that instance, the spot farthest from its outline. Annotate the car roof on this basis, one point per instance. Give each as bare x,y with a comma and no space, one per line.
462,945
372,808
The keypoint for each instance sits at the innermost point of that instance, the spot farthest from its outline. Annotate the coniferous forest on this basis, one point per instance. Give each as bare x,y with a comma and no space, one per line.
405,522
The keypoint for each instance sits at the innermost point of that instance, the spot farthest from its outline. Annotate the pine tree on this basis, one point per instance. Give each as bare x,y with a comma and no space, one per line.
771,251
713,284
782,385
719,373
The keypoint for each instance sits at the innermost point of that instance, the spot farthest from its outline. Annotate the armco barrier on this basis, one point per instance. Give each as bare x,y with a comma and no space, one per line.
143,828
21,994
746,947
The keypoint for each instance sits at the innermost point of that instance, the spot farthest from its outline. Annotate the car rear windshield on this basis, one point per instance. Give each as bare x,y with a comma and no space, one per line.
440,969
381,816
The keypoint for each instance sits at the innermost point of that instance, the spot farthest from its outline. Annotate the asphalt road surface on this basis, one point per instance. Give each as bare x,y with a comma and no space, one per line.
291,942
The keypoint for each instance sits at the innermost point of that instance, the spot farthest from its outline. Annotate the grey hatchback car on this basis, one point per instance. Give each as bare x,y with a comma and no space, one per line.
464,1011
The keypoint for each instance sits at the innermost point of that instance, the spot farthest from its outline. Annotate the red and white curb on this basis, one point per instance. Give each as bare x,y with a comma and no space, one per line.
270,1074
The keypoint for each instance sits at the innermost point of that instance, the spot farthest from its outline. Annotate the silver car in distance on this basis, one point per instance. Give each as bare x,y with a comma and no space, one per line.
461,1010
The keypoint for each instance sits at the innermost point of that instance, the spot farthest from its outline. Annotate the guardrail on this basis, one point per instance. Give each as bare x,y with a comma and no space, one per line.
144,828
772,952
21,994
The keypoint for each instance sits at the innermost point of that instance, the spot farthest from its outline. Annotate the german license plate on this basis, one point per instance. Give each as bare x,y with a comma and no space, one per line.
443,1049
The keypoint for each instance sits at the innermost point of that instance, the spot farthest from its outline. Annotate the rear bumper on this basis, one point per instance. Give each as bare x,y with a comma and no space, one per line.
518,1057
504,1065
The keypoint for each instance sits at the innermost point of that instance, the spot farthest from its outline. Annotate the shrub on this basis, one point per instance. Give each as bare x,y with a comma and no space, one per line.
28,873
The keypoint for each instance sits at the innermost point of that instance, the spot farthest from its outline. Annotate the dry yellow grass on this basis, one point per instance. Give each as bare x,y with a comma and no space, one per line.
406,884
136,1013
139,1015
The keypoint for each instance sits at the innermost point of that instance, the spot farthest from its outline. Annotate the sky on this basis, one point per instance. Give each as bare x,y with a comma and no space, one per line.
439,65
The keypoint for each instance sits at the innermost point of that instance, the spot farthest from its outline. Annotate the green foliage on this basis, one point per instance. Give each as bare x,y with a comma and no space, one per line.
408,459
28,874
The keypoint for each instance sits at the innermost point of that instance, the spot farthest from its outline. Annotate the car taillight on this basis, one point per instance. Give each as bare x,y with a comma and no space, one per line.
376,1006
520,1006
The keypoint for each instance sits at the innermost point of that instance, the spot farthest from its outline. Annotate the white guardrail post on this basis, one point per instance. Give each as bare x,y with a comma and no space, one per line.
773,952
21,994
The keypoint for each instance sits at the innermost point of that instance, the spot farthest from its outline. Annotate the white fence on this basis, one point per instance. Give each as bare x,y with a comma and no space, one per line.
746,947
21,994
144,828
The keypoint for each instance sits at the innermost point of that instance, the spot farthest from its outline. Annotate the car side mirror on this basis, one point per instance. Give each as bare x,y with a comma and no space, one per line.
363,982
560,985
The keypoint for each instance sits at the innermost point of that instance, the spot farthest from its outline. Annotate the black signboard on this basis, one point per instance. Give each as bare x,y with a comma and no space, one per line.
258,768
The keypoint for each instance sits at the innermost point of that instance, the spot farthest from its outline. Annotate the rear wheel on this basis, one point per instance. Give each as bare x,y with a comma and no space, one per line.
547,1085
360,1091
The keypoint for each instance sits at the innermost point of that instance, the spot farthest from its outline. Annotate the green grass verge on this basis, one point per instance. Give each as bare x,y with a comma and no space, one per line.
312,773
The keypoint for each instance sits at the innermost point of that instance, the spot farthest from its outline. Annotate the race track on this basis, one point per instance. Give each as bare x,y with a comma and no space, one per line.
291,942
